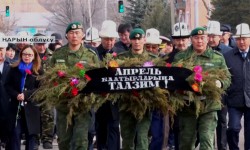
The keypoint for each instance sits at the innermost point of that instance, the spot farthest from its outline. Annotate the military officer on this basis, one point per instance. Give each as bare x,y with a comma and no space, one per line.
133,130
206,121
74,136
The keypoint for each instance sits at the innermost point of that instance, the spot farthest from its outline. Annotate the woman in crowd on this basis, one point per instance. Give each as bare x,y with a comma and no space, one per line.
10,53
20,85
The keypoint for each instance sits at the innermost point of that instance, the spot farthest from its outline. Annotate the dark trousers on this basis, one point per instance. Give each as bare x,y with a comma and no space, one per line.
234,127
176,132
91,131
107,127
14,143
221,130
156,131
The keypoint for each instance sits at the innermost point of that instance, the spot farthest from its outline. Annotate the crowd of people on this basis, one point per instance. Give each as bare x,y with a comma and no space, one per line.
213,46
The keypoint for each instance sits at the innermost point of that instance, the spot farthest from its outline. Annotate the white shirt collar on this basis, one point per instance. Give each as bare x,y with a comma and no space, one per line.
244,51
1,67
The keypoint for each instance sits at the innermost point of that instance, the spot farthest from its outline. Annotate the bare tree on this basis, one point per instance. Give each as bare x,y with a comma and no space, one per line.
84,11
208,8
63,13
48,4
66,11
6,24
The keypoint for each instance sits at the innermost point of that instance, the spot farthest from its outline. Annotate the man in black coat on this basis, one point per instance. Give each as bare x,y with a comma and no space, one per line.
238,94
214,36
124,42
4,97
226,37
107,118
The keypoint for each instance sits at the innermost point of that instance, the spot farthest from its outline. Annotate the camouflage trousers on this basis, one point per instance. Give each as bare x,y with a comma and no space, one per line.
47,120
74,136
204,124
134,133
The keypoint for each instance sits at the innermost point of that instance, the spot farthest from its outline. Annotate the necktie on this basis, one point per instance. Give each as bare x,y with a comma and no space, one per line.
244,54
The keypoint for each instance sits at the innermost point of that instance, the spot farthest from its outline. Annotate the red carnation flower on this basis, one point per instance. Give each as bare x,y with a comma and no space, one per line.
74,91
44,58
135,93
55,83
114,54
168,65
79,65
87,77
28,71
104,94
61,74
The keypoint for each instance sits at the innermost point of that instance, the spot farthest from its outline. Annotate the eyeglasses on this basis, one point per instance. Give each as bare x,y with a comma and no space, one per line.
152,46
41,44
26,54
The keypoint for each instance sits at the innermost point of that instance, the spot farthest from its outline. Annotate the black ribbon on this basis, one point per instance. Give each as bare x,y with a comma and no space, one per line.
137,78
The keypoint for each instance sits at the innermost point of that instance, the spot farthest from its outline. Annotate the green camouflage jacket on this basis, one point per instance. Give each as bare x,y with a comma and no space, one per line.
46,58
129,54
68,57
208,60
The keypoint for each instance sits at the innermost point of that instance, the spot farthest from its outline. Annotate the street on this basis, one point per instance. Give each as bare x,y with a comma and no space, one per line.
241,142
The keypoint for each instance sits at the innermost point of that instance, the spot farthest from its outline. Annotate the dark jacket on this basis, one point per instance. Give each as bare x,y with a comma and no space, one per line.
102,52
122,46
4,101
232,43
222,48
170,56
31,110
107,109
238,94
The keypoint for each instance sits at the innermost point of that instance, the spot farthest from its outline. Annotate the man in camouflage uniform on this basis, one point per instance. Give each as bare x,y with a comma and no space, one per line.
206,121
47,116
75,136
133,130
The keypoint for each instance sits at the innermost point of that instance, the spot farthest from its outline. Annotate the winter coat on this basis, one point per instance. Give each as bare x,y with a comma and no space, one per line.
4,101
238,94
31,109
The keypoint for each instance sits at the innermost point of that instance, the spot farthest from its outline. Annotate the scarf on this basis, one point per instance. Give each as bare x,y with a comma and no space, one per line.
23,67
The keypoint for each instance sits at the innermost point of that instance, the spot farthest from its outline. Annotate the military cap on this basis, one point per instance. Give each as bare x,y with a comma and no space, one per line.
74,26
199,31
39,34
225,28
57,36
136,33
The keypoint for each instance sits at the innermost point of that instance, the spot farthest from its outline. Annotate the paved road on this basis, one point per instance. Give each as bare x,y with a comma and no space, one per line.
241,143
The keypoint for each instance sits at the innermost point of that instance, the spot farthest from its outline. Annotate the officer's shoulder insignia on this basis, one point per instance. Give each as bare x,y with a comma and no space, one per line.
59,50
49,52
83,62
122,53
91,50
218,53
60,60
209,64
151,55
